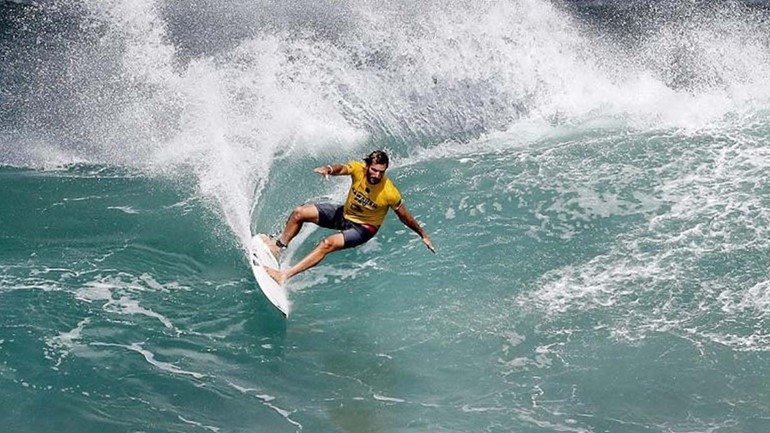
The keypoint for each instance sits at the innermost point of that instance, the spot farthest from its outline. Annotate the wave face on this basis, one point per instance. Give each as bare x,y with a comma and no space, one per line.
594,175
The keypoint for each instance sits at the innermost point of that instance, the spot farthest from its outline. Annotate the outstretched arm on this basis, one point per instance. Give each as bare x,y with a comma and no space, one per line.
332,170
412,223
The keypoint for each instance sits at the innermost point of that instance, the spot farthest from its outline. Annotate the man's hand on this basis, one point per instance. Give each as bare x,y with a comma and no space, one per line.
429,244
325,171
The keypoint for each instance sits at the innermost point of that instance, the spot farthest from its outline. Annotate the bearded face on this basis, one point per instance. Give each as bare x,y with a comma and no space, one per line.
375,173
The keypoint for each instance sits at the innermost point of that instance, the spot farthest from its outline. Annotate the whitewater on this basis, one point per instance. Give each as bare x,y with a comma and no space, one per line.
594,176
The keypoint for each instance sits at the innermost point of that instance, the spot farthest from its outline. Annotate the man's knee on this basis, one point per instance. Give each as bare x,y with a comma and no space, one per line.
303,213
332,243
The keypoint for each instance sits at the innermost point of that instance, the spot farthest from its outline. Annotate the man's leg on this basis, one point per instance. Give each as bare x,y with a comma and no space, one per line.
299,216
330,244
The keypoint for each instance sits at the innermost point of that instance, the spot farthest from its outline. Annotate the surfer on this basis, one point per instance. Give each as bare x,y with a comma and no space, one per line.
370,196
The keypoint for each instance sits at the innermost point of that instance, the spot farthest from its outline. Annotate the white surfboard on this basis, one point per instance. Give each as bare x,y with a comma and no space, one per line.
260,256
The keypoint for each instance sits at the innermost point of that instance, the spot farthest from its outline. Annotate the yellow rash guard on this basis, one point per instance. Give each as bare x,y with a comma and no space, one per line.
368,204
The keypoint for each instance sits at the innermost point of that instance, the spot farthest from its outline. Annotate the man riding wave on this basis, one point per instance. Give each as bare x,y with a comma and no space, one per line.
370,196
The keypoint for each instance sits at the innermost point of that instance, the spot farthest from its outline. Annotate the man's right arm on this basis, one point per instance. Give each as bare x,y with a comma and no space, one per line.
333,170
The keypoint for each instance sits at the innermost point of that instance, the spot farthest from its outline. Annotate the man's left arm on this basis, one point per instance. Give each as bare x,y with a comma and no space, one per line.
412,223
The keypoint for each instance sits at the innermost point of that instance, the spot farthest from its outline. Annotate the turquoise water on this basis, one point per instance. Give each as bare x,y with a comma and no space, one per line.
598,199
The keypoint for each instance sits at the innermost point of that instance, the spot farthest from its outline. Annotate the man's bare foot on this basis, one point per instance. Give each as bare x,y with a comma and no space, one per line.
272,246
277,275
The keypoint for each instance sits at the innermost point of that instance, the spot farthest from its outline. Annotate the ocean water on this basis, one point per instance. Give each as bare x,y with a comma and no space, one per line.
594,176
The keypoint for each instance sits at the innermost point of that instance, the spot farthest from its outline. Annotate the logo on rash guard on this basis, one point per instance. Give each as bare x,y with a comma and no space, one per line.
363,200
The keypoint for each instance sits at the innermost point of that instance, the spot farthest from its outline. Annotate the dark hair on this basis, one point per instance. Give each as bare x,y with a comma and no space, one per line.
377,157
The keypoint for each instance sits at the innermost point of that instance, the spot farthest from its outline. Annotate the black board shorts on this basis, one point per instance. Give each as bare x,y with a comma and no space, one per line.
330,216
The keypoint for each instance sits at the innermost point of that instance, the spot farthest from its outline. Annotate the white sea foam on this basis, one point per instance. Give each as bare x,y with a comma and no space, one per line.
387,399
125,209
150,358
267,400
63,343
676,273
754,300
116,294
198,424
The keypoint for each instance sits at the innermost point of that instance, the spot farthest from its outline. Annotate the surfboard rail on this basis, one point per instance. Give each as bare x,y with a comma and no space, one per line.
259,257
